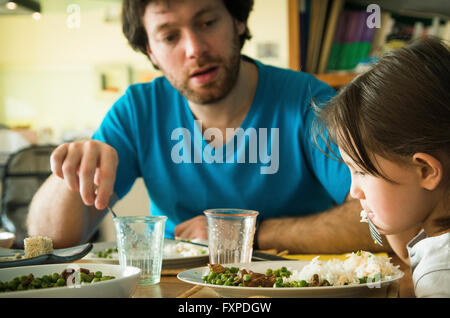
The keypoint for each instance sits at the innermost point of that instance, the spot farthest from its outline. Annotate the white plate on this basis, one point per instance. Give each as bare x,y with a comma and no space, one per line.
194,276
176,260
123,285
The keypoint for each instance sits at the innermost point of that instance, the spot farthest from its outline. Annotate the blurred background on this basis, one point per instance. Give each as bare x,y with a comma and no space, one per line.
63,63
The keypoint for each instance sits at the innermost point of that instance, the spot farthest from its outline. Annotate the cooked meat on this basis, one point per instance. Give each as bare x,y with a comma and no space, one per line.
256,279
216,268
314,281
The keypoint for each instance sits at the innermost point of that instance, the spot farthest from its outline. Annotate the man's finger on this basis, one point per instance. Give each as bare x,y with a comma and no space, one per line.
71,165
106,176
86,173
57,158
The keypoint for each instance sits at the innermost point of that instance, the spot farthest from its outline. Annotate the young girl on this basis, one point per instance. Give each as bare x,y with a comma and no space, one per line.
392,126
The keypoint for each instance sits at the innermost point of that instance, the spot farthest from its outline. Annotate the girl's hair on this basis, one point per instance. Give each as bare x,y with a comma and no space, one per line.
399,107
134,30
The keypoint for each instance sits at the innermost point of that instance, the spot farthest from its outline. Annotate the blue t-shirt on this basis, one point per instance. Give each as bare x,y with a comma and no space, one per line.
271,165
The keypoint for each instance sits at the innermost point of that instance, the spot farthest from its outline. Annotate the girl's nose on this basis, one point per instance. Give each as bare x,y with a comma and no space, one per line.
195,46
356,192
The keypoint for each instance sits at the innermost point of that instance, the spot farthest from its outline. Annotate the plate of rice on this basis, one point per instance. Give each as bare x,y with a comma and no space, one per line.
359,275
176,254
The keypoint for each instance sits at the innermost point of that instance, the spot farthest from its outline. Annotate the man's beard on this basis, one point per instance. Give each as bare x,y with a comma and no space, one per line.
219,88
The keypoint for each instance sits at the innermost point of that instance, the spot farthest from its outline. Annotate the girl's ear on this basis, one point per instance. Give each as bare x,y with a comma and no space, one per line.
429,170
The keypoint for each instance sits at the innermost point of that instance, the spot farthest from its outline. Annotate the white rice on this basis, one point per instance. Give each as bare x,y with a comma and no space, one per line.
363,216
184,249
348,272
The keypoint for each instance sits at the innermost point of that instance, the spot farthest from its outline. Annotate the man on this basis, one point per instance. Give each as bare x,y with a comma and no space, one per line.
218,130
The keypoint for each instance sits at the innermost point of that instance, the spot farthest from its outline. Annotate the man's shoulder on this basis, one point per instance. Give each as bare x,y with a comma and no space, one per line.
158,86
277,72
292,81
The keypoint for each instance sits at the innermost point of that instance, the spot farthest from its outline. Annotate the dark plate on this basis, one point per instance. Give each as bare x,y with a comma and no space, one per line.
64,255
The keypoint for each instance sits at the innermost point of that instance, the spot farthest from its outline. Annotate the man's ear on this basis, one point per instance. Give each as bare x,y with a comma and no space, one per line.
429,170
150,55
240,26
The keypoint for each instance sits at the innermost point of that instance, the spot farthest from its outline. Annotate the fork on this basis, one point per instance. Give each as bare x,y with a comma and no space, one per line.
376,236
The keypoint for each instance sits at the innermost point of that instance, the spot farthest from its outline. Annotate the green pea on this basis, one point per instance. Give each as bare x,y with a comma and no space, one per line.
85,277
302,283
212,275
36,283
61,282
269,272
55,277
98,274
246,277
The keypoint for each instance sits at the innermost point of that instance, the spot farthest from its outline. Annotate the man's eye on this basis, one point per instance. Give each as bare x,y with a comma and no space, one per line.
209,23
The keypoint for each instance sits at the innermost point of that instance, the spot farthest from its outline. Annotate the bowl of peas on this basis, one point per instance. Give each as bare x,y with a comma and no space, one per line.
73,280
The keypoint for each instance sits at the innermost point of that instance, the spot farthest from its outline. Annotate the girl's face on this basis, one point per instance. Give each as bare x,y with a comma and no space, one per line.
393,207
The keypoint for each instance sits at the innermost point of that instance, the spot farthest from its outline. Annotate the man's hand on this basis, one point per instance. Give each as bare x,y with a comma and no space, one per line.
88,167
192,228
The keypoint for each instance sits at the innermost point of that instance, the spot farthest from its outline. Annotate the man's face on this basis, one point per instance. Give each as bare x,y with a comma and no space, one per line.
195,43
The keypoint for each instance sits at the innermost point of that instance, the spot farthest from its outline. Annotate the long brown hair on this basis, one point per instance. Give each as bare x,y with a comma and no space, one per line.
399,107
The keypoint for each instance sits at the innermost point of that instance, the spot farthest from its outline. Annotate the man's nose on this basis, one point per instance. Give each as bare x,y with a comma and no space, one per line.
195,45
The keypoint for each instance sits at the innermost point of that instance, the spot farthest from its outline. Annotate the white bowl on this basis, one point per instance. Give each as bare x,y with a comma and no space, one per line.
123,285
6,239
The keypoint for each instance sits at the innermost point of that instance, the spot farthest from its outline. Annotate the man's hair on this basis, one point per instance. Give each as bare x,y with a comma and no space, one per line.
399,107
133,24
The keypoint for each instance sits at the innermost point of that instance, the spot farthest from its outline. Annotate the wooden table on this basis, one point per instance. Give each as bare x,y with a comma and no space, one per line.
171,287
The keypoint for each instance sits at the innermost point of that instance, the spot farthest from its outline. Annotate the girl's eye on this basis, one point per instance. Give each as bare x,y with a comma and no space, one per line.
170,38
361,173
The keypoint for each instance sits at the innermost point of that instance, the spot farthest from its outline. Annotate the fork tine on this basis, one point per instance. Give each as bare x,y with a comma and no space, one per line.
376,236
374,231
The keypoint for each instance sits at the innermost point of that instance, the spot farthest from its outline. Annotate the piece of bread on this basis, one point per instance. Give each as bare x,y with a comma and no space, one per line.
38,245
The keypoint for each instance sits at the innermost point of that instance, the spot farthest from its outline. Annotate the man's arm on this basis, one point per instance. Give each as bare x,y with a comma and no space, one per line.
337,230
60,214
66,207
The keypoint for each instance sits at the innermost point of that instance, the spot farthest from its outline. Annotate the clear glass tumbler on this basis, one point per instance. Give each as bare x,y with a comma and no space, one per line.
230,235
140,243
